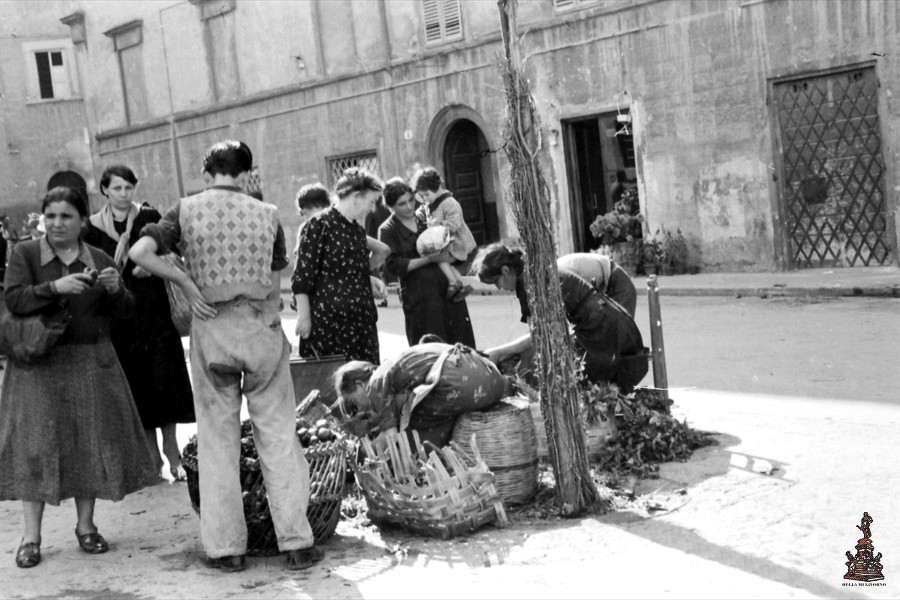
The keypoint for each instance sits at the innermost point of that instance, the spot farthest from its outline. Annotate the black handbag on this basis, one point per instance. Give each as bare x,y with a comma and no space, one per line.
27,339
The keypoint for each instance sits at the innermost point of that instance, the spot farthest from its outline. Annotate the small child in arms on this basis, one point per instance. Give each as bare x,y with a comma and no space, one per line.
441,209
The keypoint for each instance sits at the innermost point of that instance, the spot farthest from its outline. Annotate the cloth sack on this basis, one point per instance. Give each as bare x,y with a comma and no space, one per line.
27,339
179,305
459,381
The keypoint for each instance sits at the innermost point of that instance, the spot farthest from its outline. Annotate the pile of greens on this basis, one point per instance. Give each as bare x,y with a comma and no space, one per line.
647,433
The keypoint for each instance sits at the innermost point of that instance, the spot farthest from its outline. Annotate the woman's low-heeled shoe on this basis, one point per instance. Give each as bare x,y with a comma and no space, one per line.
28,555
92,543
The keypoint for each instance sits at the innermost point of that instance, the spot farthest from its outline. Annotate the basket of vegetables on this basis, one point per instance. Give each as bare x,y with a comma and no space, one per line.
326,450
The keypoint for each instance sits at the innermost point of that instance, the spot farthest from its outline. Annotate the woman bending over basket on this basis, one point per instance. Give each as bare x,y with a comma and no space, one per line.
424,388
605,334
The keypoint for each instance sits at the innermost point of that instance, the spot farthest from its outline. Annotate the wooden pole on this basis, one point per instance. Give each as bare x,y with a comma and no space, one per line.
658,350
531,205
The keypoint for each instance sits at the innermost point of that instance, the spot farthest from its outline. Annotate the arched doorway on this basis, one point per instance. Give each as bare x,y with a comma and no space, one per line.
465,160
69,179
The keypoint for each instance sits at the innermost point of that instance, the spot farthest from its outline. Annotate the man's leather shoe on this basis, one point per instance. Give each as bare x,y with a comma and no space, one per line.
229,564
304,558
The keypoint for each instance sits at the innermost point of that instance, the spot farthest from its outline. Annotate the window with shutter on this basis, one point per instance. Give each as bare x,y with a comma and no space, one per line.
567,5
443,21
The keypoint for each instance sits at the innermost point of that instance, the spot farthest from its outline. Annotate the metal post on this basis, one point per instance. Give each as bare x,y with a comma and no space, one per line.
657,350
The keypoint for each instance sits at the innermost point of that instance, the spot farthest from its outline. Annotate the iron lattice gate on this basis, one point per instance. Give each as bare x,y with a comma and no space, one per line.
832,183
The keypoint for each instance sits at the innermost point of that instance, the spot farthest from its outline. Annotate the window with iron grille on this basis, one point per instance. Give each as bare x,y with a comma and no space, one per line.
443,21
364,160
567,5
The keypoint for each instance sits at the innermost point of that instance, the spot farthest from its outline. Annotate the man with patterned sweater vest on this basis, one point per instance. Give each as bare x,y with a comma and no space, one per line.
233,246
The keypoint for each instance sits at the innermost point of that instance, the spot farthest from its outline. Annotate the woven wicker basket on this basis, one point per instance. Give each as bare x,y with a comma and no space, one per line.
446,494
327,476
506,439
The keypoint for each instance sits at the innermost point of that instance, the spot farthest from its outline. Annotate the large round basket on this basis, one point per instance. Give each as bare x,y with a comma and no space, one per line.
506,438
327,476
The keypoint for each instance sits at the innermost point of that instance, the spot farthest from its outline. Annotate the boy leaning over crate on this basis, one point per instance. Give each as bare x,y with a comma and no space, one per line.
237,348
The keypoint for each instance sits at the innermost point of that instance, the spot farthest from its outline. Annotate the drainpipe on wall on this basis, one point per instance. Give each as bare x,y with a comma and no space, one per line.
173,134
392,92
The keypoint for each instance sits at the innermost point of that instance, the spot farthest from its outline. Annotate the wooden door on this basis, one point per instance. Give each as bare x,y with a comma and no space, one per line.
462,166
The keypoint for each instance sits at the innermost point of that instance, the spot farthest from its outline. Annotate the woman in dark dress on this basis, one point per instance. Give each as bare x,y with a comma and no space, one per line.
606,337
422,284
147,344
331,283
68,424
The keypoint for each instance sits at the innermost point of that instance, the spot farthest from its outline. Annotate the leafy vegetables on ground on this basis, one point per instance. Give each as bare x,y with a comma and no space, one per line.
647,433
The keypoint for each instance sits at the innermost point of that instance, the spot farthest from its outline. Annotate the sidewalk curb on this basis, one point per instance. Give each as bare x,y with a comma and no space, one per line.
776,291
740,292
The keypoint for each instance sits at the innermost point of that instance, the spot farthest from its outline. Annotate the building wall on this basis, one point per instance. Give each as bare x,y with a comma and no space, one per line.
37,137
696,77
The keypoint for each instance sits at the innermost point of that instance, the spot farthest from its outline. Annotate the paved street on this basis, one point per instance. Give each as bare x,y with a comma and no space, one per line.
800,390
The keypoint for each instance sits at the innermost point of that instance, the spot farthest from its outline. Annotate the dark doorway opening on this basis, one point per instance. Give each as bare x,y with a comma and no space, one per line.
468,176
597,148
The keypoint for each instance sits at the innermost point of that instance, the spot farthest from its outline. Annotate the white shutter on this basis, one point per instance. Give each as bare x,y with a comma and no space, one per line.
59,74
561,5
443,21
452,20
432,13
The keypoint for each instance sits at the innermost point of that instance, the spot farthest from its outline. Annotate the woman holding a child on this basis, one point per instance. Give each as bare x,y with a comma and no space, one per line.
423,286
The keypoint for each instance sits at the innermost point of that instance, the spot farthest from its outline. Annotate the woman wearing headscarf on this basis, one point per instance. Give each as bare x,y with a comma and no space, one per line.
147,343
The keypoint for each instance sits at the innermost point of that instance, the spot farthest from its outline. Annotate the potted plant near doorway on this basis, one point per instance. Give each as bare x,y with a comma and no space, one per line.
674,252
620,232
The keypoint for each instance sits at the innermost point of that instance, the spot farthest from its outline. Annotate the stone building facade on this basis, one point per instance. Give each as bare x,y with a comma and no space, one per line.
763,129
44,137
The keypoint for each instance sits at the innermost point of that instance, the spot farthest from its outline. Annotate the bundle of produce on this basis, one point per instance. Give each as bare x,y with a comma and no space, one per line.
326,450
443,494
646,432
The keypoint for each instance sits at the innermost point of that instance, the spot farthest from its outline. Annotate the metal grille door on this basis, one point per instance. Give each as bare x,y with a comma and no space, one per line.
832,170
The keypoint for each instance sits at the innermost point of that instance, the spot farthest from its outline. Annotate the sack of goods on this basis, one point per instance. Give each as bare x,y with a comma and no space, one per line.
433,240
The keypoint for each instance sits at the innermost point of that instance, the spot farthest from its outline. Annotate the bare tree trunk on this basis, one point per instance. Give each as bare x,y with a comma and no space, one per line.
559,392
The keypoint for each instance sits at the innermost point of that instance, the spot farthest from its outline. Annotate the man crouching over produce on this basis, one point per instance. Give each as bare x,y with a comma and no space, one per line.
424,388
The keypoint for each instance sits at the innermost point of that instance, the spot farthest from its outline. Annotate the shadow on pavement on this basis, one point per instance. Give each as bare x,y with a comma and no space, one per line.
687,541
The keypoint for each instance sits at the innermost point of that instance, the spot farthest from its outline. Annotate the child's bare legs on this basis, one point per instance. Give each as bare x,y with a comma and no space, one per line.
454,282
456,289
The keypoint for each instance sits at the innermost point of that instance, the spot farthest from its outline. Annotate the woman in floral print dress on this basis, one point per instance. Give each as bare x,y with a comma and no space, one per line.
336,312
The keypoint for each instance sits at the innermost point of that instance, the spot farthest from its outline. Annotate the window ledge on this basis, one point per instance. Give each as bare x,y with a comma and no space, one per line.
53,101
